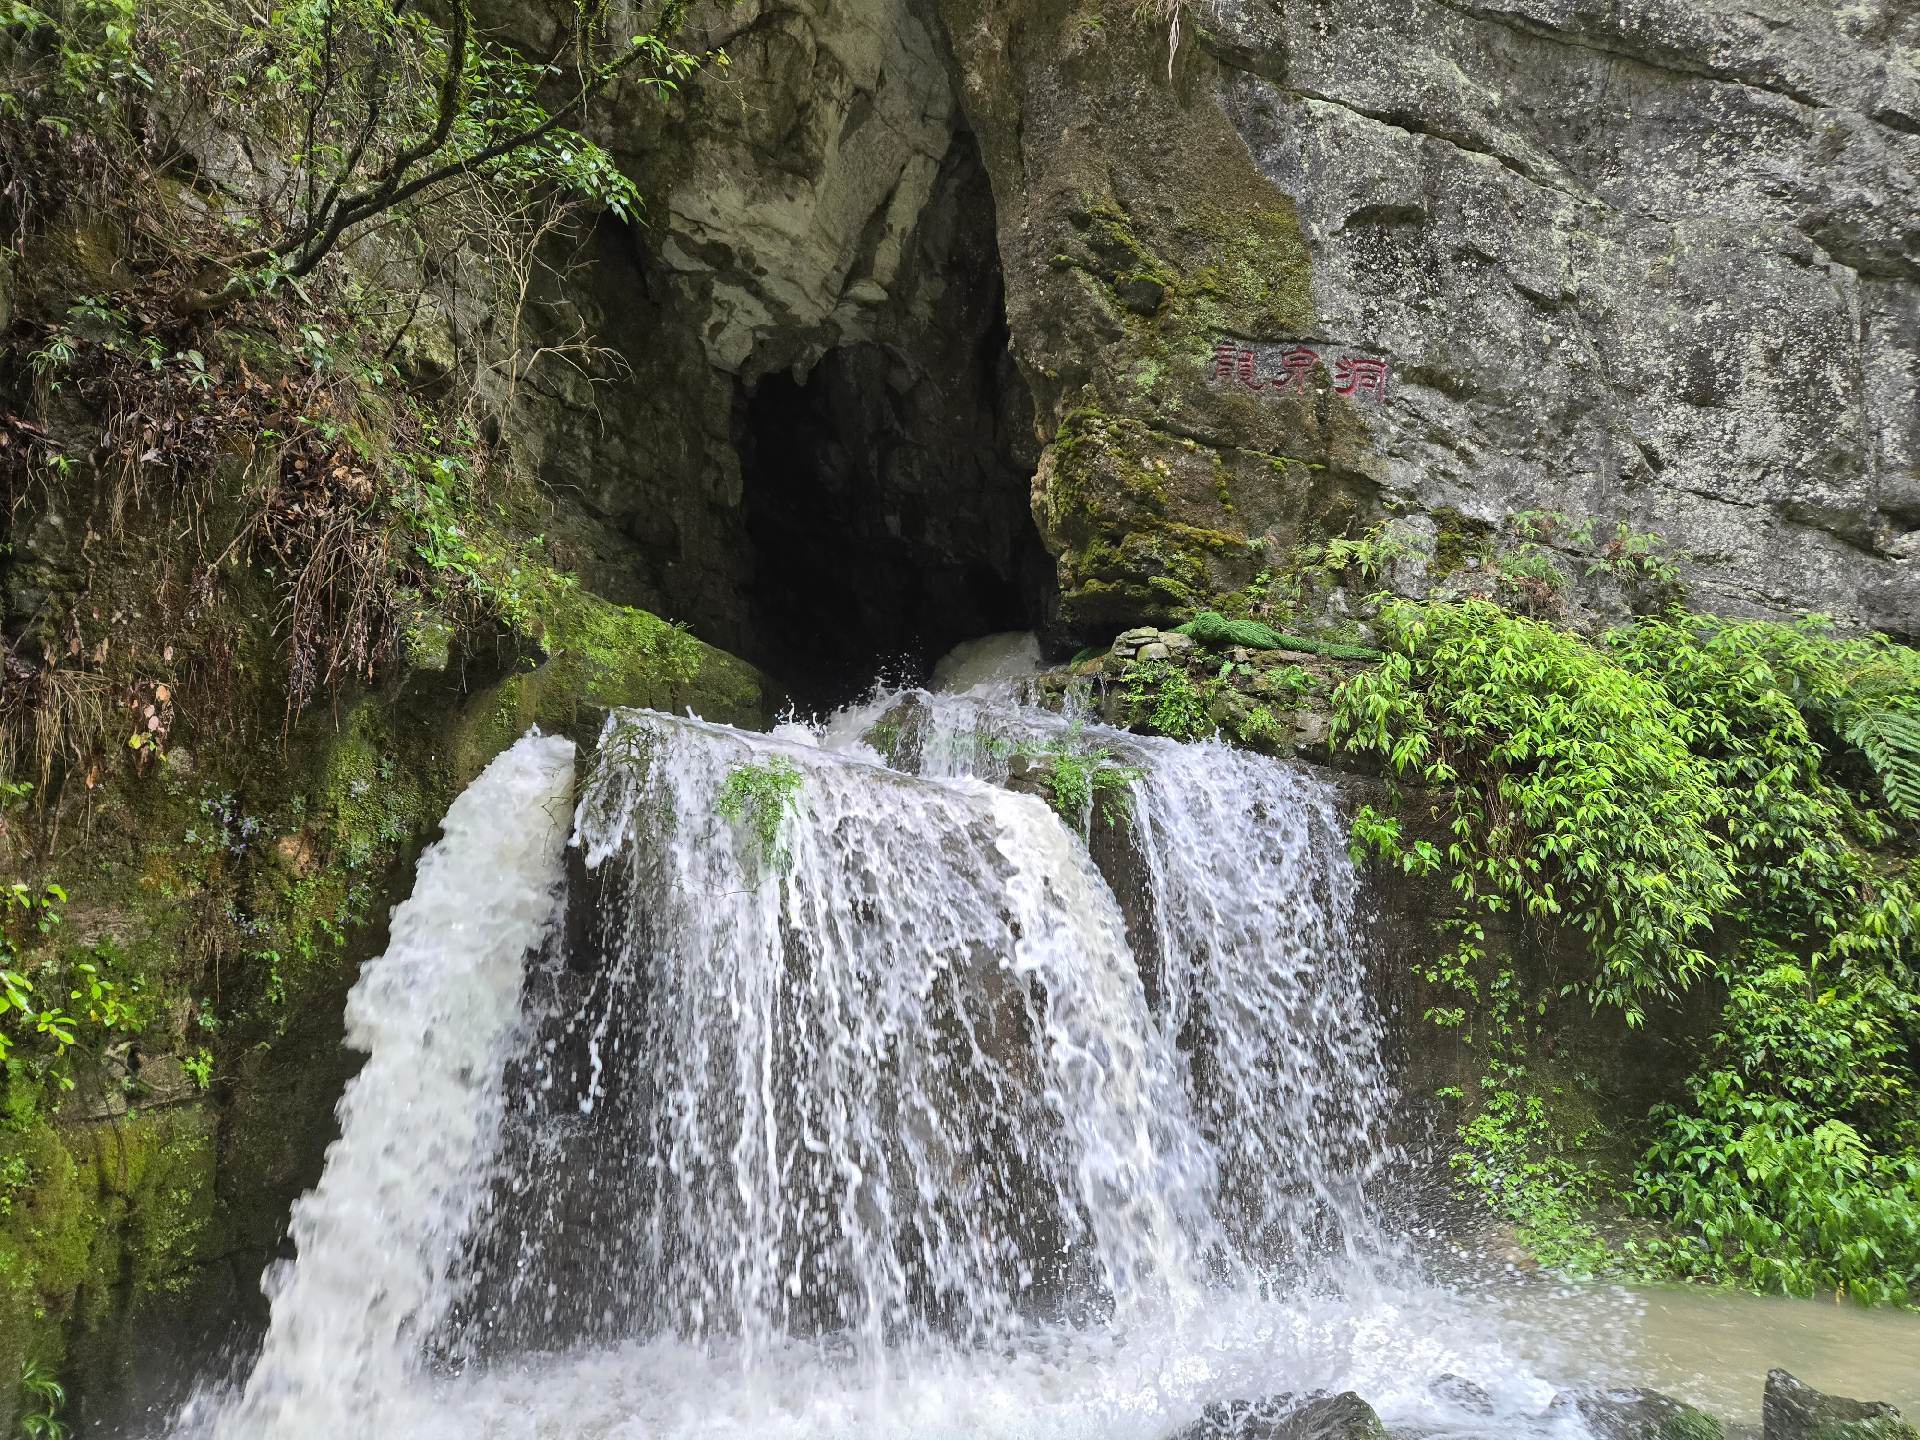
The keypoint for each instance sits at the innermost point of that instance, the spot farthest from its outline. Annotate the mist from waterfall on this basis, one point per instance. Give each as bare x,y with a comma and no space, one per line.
920,1111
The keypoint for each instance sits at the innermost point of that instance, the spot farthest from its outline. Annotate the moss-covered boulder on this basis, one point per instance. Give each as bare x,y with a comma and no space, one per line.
1636,1415
1794,1410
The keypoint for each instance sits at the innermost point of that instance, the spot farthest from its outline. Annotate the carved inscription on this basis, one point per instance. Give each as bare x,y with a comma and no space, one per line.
1290,368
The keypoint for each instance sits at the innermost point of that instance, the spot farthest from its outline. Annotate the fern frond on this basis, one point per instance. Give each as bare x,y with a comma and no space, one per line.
1890,739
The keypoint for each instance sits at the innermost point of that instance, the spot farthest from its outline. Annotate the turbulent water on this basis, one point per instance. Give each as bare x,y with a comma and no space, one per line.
857,1093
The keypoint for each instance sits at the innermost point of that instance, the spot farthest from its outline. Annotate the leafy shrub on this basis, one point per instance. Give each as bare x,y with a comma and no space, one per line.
1163,698
1567,787
1685,773
44,1397
1779,1173
49,1003
1080,774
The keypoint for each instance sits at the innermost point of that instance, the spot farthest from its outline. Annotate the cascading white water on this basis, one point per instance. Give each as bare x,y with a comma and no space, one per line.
903,1114
884,1080
380,1236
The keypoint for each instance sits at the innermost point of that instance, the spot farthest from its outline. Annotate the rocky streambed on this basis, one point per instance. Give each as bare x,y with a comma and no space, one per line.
1791,1410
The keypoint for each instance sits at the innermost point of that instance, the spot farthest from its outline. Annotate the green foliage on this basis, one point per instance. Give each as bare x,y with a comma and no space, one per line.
1366,558
1639,557
1259,726
44,1398
1793,1166
1216,631
49,1003
1079,774
1162,697
1288,684
1528,1170
1684,775
760,798
1890,740
70,62
1530,577
1569,793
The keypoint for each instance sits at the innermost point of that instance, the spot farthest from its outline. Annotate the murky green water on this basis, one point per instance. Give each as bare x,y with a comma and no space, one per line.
1714,1348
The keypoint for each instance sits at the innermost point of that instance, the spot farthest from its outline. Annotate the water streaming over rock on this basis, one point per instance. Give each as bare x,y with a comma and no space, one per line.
859,1093
380,1237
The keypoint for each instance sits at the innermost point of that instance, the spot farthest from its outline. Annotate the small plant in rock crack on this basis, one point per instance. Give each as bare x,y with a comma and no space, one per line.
759,798
1160,696
1079,774
43,1399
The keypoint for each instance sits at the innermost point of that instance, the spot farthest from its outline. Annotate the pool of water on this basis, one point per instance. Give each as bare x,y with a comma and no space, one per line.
1713,1348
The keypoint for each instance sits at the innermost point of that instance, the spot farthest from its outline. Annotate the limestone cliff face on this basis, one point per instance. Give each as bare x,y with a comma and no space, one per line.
1636,263
1646,260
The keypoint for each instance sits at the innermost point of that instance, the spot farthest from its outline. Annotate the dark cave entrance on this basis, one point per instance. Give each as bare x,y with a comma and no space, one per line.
887,491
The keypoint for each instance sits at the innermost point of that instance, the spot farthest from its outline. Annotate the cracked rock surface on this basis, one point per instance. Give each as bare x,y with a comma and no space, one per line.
1652,263
1631,260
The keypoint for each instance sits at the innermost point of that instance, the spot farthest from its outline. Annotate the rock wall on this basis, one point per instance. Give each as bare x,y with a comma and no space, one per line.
1638,263
805,436
1273,270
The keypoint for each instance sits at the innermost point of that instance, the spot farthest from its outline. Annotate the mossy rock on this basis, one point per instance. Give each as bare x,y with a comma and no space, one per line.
1794,1410
110,1217
1637,1415
601,655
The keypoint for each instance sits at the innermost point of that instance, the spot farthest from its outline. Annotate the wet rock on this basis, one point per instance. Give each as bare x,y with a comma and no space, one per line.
1152,650
1794,1410
1312,729
1636,1415
1287,1417
1465,1393
1032,775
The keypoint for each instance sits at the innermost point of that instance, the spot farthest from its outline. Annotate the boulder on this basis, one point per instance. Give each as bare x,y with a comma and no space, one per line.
1796,1411
1466,1394
1636,1415
1287,1417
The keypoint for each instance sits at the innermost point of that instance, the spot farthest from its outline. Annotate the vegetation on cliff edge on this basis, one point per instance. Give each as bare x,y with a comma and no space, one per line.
1706,804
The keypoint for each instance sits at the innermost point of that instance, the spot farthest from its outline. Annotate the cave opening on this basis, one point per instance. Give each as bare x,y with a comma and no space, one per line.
887,489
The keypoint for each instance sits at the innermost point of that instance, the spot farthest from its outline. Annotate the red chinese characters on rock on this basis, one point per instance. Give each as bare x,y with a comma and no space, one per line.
1233,363
1296,365
1355,377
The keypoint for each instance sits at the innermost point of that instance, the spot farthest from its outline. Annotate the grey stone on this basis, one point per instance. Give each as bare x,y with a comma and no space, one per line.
1631,1414
1152,650
1312,729
1649,264
1287,1417
1467,1394
1793,1410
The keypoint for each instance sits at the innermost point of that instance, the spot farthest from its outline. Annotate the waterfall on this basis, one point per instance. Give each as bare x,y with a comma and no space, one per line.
379,1236
858,1092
